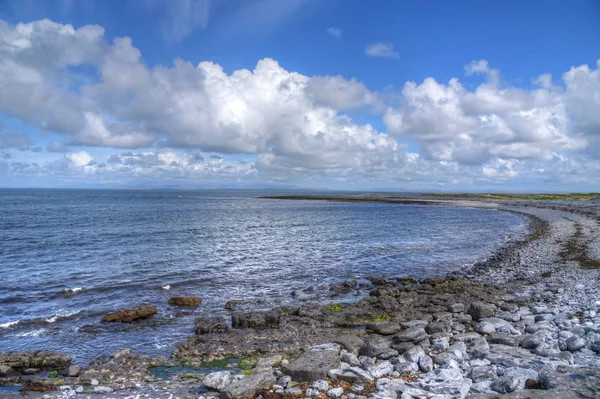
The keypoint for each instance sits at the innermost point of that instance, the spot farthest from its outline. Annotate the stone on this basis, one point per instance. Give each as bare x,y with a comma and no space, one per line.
103,389
210,325
402,347
441,343
413,334
380,369
531,341
351,374
483,373
255,320
349,357
547,349
437,327
129,315
6,371
414,354
311,392
74,371
313,365
217,380
187,301
269,361
514,378
384,327
43,360
350,342
426,364
406,367
480,310
456,308
485,328
248,387
575,343
504,339
374,345
294,391
335,392
321,385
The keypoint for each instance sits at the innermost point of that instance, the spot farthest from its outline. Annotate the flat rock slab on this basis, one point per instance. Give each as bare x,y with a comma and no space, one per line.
313,365
44,360
256,320
189,301
129,315
248,387
209,325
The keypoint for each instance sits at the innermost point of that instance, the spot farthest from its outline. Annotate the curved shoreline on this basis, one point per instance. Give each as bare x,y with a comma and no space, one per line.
528,289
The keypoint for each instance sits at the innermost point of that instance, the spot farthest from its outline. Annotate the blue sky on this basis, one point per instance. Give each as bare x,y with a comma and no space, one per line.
348,64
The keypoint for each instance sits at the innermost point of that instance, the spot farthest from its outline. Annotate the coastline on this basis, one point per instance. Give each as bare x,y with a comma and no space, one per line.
523,292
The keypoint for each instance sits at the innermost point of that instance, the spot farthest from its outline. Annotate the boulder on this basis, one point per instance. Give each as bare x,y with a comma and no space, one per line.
313,365
217,380
189,301
209,325
413,334
129,315
480,310
374,345
350,342
456,308
256,320
248,387
43,360
384,327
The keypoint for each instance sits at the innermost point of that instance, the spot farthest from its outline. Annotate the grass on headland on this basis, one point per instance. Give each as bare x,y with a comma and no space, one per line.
577,250
530,197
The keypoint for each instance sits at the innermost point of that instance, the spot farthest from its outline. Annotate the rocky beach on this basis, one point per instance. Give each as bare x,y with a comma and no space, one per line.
523,323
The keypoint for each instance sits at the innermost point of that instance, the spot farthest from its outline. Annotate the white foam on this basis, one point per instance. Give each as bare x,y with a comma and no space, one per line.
166,287
7,325
34,333
73,290
60,315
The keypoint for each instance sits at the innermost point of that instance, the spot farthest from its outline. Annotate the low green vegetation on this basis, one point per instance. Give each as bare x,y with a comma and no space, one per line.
334,308
531,197
53,374
382,317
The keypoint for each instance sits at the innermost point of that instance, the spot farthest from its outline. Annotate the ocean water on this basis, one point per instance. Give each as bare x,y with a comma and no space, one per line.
67,257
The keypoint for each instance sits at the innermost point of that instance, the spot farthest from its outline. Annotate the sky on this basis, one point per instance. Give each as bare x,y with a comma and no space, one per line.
432,95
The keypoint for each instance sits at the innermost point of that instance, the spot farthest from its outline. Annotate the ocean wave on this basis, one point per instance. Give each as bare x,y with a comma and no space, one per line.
166,287
40,321
71,290
34,333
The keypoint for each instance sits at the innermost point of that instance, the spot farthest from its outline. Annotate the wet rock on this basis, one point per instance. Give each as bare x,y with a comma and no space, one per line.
74,371
129,315
248,387
384,327
256,320
313,365
43,360
217,380
231,305
188,301
374,345
6,371
209,325
480,310
345,287
413,334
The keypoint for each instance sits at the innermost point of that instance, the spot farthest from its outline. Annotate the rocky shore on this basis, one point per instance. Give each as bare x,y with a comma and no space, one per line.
524,323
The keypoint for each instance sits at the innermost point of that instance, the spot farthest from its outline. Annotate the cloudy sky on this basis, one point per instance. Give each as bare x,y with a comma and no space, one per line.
462,95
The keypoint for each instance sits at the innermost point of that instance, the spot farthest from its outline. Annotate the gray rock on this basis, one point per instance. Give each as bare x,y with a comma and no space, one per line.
485,328
437,327
480,310
456,308
255,320
269,361
406,367
6,371
388,354
547,349
414,354
505,384
483,373
374,345
531,341
384,327
426,364
380,369
209,325
248,387
350,342
575,343
402,347
313,365
321,385
103,389
335,392
349,357
311,392
217,380
441,343
294,391
504,339
351,374
74,371
413,334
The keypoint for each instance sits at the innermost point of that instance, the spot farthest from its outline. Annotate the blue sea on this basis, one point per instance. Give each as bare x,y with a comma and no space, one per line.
67,257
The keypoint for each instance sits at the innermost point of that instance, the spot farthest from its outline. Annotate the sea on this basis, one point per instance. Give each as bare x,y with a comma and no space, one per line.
68,257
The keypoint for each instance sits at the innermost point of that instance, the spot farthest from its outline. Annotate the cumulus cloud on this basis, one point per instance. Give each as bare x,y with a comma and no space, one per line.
286,125
492,121
384,50
335,32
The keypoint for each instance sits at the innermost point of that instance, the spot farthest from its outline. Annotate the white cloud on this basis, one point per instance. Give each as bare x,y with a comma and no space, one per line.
384,50
335,32
180,18
287,126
